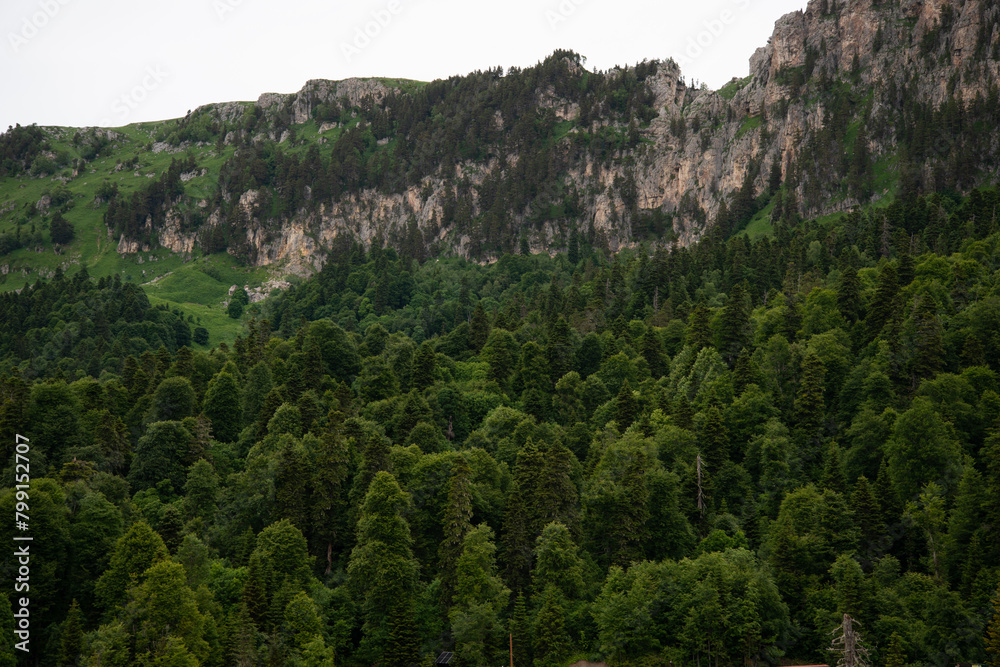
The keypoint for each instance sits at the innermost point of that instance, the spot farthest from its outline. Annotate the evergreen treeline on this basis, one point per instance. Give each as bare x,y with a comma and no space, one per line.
69,327
708,454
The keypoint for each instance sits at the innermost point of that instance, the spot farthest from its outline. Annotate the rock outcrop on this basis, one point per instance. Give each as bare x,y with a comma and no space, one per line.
927,47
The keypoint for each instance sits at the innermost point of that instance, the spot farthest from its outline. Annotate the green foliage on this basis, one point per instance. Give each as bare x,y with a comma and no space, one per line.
390,448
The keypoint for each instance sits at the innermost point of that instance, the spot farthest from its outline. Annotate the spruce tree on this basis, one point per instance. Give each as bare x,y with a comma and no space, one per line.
895,657
713,440
745,373
457,517
382,571
929,352
833,469
867,515
223,405
849,295
71,637
551,641
479,328
330,528
809,404
626,408
652,351
700,327
734,331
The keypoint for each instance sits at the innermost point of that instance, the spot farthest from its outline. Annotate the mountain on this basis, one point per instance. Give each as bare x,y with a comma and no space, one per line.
848,103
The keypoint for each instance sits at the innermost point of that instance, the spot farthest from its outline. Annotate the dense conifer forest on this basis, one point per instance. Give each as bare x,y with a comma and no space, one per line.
701,455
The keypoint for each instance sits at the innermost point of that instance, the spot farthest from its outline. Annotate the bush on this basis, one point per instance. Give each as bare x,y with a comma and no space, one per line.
200,335
235,309
61,229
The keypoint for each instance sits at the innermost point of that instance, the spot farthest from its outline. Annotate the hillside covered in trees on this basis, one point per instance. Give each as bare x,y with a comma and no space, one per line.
596,363
703,454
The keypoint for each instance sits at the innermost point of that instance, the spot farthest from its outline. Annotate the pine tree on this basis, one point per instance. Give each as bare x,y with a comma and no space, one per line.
652,351
809,404
734,331
833,469
745,373
573,251
516,544
847,643
71,639
551,641
457,517
329,501
559,350
888,497
883,304
895,657
374,460
929,353
555,496
626,408
223,405
867,515
424,364
521,632
849,295
700,327
291,487
382,570
714,439
403,645
479,329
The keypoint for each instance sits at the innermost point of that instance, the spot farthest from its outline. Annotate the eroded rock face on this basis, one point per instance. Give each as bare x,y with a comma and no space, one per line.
763,123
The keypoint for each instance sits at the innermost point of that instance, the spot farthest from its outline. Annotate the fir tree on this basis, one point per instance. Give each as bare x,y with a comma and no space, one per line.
895,657
867,515
71,639
849,295
734,331
551,641
382,570
329,502
457,517
809,404
929,353
479,329
626,408
745,373
699,327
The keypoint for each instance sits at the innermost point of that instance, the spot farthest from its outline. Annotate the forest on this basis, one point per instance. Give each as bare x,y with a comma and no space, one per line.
669,455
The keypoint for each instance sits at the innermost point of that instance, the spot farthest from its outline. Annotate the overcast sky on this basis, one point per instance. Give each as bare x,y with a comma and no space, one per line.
112,62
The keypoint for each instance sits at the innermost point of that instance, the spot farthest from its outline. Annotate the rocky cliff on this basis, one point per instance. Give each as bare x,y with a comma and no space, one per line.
856,65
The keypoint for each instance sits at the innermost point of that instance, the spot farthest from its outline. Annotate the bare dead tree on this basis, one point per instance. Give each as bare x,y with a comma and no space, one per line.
847,643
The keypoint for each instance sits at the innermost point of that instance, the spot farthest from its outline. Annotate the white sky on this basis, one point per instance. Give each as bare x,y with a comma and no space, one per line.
112,62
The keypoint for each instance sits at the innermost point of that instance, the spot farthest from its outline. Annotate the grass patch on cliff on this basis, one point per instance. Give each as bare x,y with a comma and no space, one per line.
406,85
729,90
749,125
760,224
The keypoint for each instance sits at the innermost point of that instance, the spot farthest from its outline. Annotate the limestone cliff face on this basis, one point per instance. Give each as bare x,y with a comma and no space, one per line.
931,49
